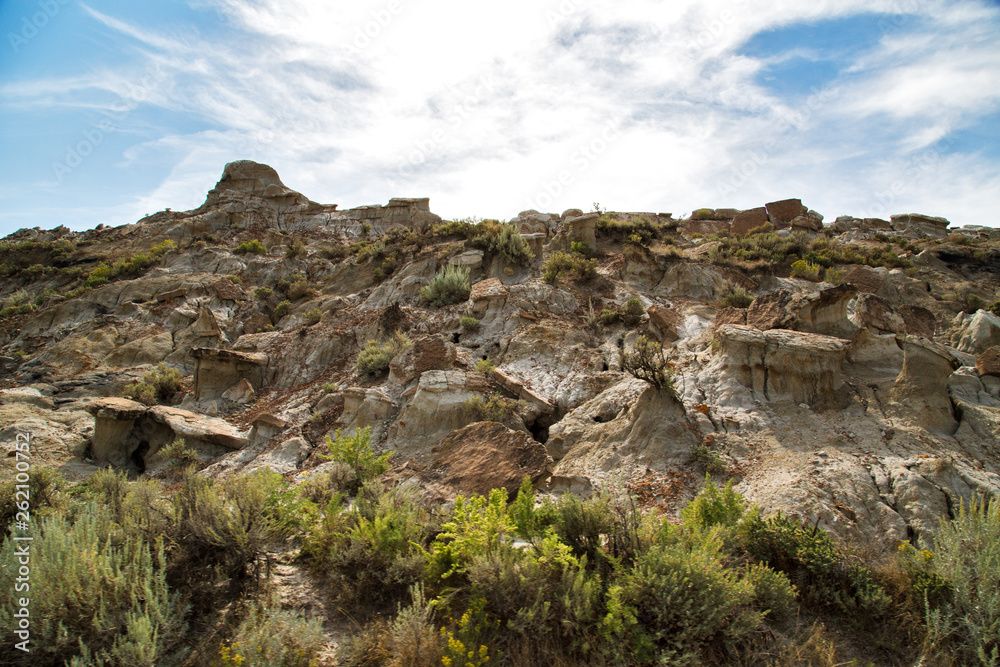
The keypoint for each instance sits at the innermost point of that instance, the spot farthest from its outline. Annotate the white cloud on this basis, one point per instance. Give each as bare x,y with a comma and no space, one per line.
487,108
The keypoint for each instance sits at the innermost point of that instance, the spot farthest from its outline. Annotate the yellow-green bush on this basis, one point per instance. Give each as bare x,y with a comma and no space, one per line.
561,264
253,247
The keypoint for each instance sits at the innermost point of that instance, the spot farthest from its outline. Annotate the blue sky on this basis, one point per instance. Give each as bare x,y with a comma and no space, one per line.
110,110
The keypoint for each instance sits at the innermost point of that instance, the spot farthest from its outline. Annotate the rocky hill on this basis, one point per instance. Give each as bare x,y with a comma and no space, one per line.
846,373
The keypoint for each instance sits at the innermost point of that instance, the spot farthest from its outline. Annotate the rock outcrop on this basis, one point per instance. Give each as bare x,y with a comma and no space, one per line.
782,365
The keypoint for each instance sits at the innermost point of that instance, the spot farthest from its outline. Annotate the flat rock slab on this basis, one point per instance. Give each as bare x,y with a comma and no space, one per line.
199,427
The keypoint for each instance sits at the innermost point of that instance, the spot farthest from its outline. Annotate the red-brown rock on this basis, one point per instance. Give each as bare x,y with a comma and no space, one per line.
988,362
919,321
665,320
784,211
488,455
749,220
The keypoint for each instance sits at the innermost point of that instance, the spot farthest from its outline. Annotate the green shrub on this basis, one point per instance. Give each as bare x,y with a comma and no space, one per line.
141,392
995,308
633,311
494,408
281,310
967,556
970,302
581,248
375,357
820,572
735,297
263,293
356,451
478,527
450,285
44,492
805,270
162,248
296,249
227,525
234,279
469,324
646,362
486,366
703,214
272,637
625,228
178,455
253,247
328,387
608,316
313,316
706,459
299,289
503,239
99,276
372,553
714,507
561,264
409,639
681,601
96,594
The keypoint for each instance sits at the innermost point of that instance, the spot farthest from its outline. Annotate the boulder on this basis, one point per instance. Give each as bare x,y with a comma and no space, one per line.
976,333
28,395
779,364
486,294
875,353
783,212
988,363
771,311
705,227
825,313
865,279
217,370
918,321
582,229
114,423
434,407
749,220
811,221
488,455
921,390
920,225
425,354
666,321
878,315
242,392
199,429
148,350
227,290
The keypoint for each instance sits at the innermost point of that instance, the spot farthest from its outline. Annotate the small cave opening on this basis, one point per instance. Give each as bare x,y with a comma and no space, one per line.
138,457
455,337
539,428
604,366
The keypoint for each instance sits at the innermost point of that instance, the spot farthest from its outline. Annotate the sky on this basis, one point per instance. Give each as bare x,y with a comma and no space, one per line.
114,109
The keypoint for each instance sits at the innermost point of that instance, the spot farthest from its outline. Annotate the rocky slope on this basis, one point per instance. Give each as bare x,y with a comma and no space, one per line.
868,405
